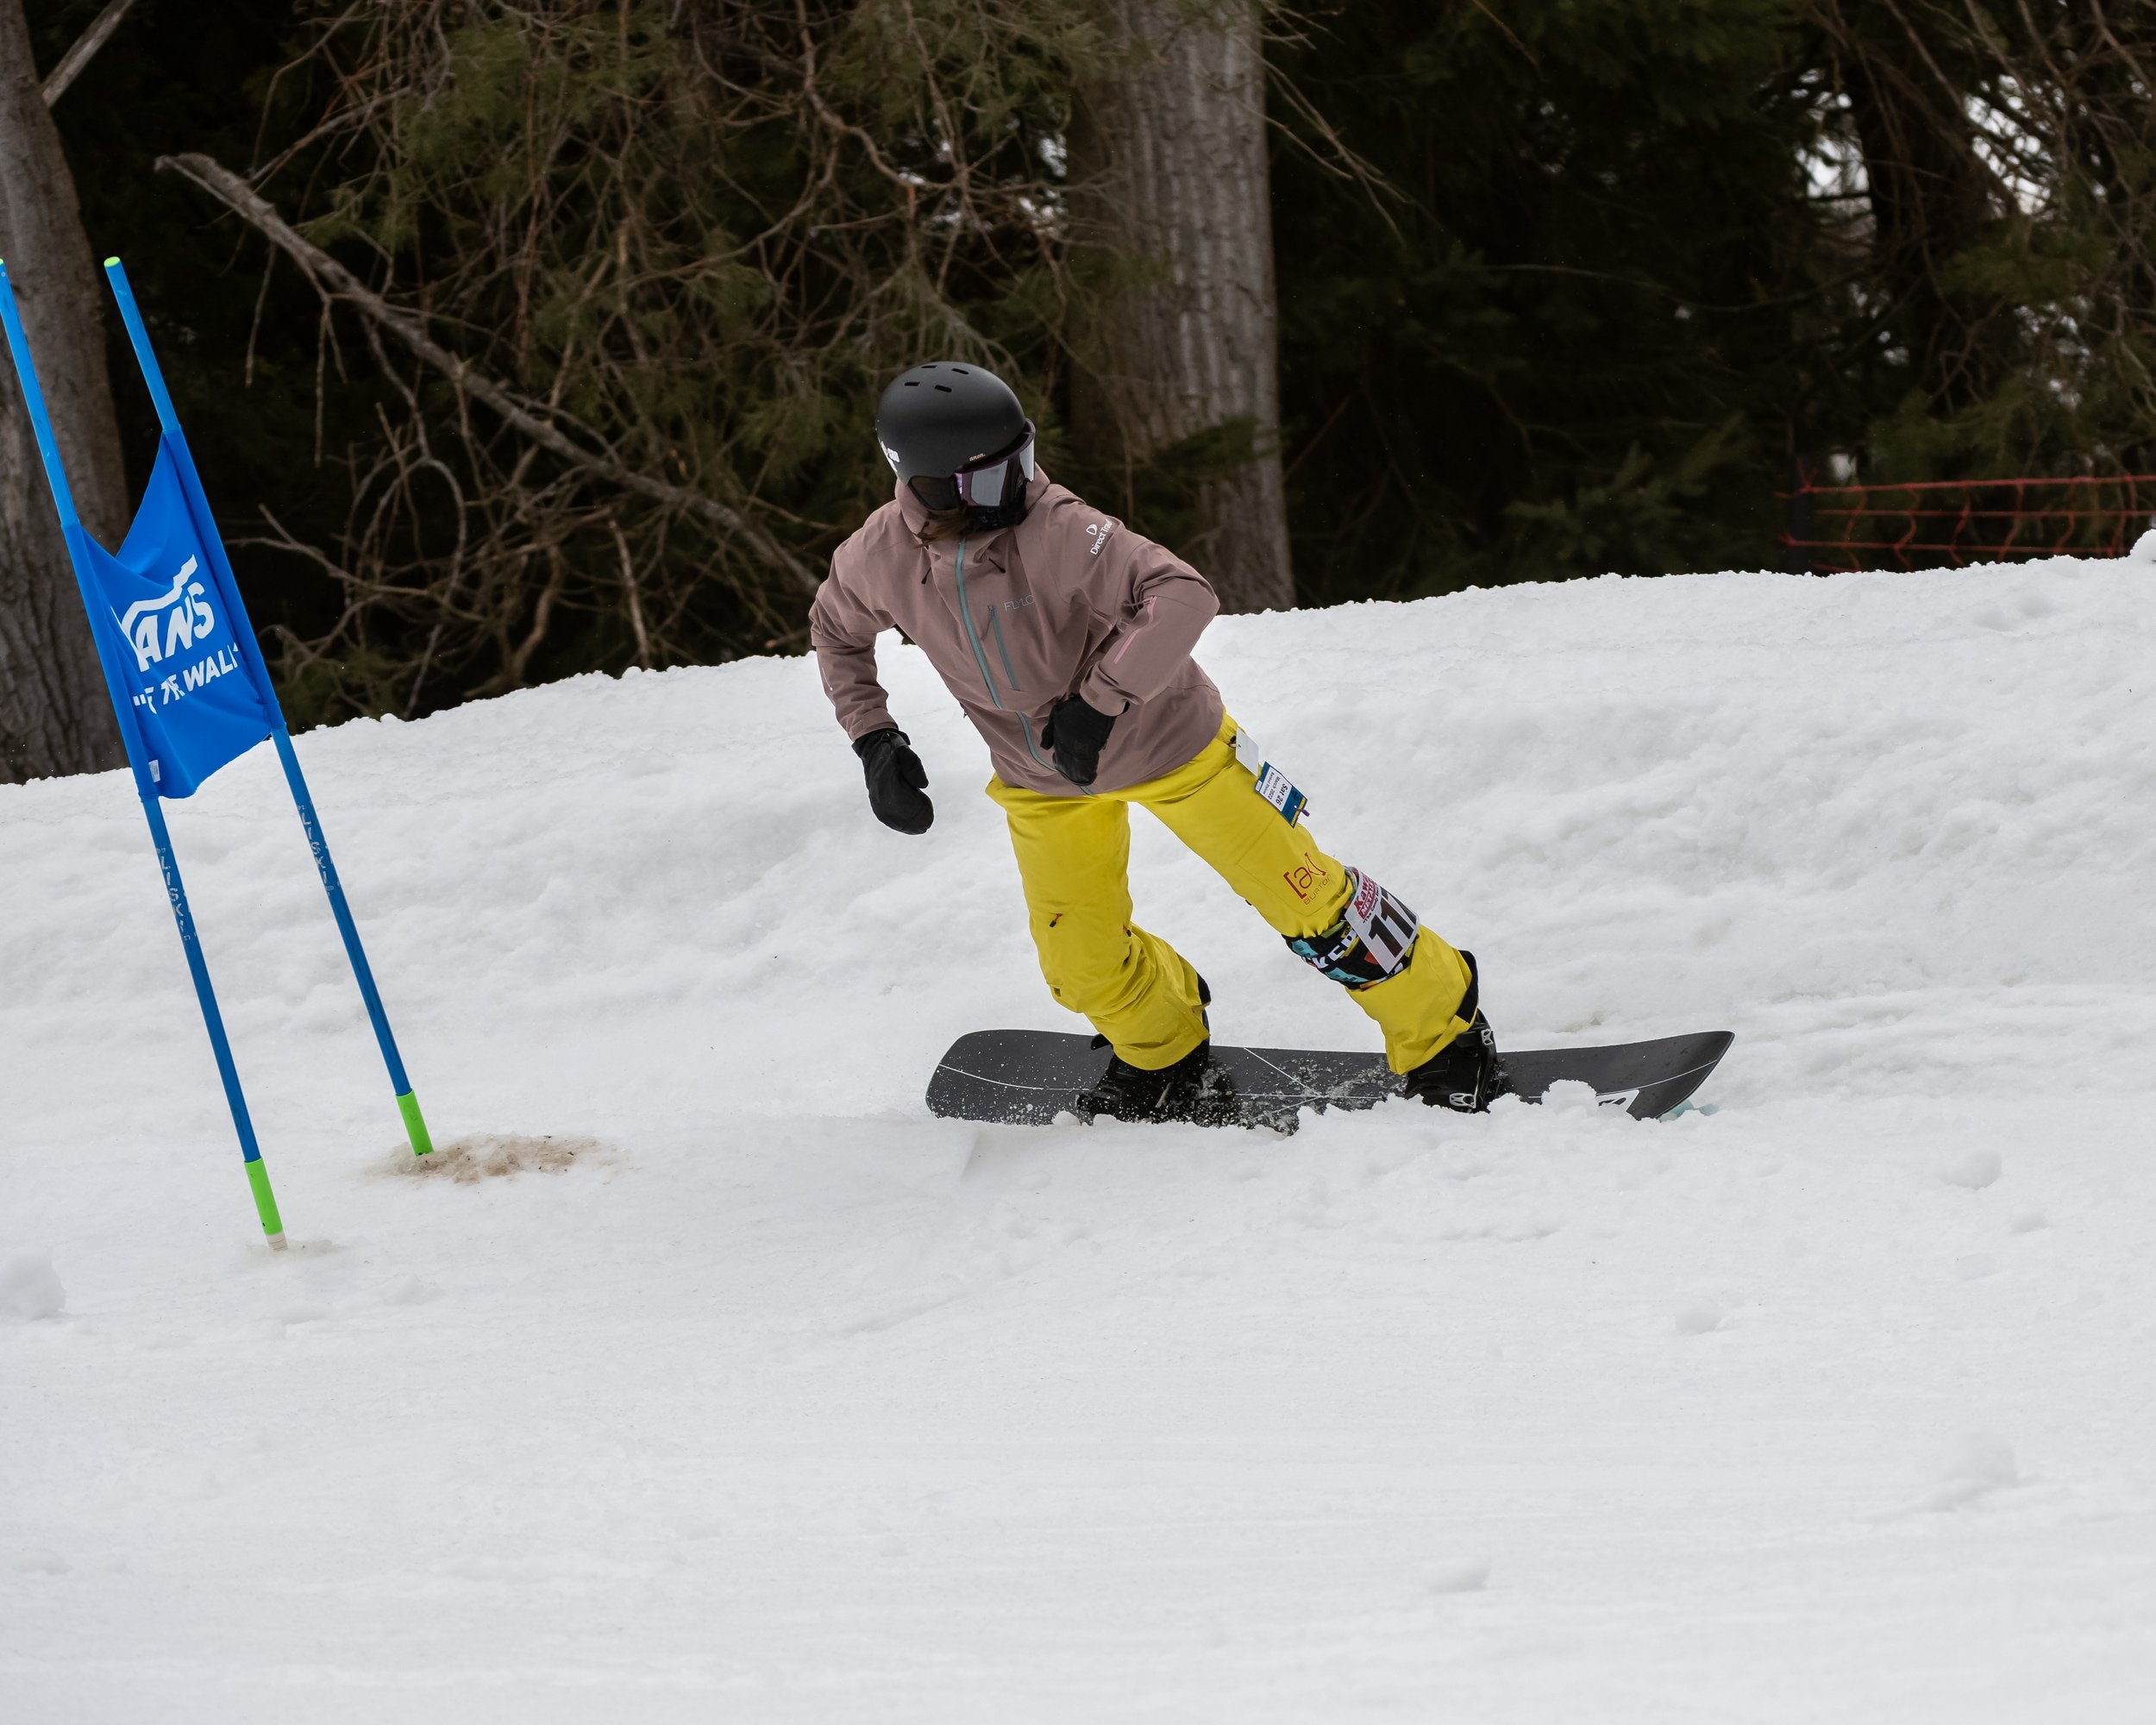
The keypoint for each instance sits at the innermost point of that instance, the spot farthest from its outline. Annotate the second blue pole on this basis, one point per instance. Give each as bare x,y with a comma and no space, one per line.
243,632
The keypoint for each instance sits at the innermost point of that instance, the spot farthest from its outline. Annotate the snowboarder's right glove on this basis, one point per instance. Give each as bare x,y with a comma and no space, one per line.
896,779
1075,734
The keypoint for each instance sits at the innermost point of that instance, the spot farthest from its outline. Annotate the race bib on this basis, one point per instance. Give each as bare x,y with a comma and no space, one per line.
1386,927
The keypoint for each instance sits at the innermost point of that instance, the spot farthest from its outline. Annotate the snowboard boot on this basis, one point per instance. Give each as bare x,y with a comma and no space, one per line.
1192,1089
1466,1074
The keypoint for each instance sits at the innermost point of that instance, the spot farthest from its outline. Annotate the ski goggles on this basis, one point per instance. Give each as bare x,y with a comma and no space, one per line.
985,485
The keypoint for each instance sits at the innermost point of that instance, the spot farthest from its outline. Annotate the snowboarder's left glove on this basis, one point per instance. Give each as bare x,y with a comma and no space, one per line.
896,781
1075,734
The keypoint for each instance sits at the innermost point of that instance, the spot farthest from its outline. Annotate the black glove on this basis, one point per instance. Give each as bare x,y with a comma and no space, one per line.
1075,734
896,779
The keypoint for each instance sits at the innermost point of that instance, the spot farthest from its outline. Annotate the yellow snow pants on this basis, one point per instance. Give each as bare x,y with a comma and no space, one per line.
1074,859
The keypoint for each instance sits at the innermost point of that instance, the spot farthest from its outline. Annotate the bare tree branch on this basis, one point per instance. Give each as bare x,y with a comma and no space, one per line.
85,48
334,281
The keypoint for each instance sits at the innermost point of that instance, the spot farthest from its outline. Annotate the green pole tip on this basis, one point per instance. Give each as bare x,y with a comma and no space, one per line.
110,262
266,1204
415,1124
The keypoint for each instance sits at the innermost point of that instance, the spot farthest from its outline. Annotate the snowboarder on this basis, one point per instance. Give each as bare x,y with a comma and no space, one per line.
1065,637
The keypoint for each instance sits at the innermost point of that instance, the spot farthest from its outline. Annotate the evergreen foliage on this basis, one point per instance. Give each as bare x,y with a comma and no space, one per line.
1589,313
1614,268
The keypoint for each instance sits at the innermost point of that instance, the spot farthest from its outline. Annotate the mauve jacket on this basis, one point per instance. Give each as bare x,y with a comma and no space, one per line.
1068,601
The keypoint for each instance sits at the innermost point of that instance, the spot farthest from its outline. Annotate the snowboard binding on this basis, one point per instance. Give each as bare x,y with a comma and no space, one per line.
1195,1089
1466,1074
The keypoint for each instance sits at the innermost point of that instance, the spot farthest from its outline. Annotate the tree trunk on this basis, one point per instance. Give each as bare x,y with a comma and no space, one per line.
1179,382
1931,197
54,716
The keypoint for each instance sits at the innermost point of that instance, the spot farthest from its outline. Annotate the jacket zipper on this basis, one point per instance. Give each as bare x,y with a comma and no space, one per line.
995,622
980,658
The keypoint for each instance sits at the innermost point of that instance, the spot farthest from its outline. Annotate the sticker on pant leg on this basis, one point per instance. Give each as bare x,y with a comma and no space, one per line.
1272,784
1371,943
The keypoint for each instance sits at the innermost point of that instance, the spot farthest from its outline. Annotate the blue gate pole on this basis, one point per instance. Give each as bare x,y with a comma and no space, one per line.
131,736
250,649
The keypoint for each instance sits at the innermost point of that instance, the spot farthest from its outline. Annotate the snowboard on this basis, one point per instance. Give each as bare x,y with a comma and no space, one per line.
1026,1077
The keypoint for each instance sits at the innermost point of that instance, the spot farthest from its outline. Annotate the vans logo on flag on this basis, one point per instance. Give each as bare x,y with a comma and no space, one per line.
185,671
221,663
182,617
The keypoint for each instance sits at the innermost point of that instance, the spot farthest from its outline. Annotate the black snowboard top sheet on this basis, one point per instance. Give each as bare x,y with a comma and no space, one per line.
1026,1077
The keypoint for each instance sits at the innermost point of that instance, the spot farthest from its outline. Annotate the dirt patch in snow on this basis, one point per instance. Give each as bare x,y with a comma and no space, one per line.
488,1156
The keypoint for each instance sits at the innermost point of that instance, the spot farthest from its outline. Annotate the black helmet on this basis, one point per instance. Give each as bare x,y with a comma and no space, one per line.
956,434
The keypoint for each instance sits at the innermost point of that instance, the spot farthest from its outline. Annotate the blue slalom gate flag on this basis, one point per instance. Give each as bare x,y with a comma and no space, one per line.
178,649
190,690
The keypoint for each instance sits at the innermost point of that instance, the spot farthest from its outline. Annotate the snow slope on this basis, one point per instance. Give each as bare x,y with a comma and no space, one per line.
758,1393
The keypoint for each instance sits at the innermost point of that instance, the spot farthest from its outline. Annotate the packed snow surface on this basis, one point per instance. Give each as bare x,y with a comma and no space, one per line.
706,1376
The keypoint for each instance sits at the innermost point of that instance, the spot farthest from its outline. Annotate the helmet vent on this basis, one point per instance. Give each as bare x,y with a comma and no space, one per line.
942,388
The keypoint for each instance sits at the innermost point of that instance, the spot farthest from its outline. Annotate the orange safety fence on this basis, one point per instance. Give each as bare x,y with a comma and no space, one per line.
1922,525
